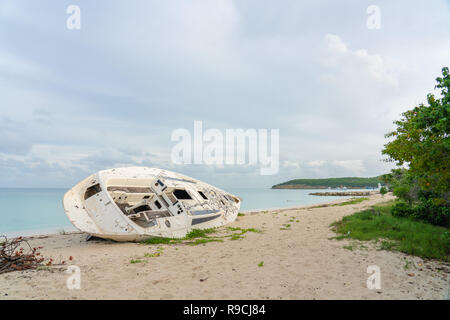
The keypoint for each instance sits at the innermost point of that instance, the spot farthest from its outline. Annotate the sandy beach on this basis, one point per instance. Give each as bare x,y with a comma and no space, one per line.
299,262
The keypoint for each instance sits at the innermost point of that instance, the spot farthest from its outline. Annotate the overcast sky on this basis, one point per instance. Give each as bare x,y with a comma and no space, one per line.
73,102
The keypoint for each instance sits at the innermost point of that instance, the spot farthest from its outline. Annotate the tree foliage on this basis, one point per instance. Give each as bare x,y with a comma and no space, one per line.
421,142
349,182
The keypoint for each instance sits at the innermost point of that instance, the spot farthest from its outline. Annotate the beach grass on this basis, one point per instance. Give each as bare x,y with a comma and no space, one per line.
152,255
395,233
193,234
203,241
202,236
199,233
157,240
243,231
351,201
133,261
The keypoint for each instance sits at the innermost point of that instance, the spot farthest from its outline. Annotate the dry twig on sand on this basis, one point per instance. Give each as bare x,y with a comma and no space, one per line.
17,254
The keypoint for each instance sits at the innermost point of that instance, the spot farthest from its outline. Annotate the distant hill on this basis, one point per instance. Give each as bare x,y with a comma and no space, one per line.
348,182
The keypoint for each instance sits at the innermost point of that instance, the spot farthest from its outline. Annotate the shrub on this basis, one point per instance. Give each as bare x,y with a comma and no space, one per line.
427,210
430,211
401,209
445,237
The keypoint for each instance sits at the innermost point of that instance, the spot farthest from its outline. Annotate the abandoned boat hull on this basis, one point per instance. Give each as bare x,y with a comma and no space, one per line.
136,203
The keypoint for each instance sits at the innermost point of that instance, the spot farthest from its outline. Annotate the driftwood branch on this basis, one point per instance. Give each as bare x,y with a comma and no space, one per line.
17,254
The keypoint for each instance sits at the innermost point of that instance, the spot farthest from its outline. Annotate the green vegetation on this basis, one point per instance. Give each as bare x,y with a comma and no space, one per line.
320,206
261,264
351,201
202,241
133,261
242,231
240,214
395,233
421,141
408,265
160,241
349,182
285,226
201,236
152,255
236,237
43,268
158,252
199,233
349,247
193,234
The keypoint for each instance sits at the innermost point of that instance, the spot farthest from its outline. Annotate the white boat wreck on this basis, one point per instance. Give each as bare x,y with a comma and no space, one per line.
136,203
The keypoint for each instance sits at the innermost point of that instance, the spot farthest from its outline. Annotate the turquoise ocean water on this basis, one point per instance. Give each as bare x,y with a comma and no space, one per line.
40,211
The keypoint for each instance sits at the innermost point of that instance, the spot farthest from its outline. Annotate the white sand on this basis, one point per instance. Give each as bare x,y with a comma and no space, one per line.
299,263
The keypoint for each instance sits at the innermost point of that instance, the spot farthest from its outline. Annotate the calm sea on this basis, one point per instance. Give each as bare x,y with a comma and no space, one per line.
40,211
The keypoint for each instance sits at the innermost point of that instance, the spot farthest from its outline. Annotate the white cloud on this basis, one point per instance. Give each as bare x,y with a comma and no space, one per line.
293,164
379,68
335,44
356,167
111,94
316,163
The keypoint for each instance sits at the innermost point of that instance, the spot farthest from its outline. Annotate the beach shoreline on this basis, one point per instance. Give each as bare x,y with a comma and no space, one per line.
301,261
19,218
36,233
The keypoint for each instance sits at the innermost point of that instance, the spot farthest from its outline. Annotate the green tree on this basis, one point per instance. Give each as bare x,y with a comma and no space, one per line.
421,142
403,184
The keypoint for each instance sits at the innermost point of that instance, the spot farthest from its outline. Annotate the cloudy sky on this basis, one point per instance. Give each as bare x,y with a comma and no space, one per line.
73,102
